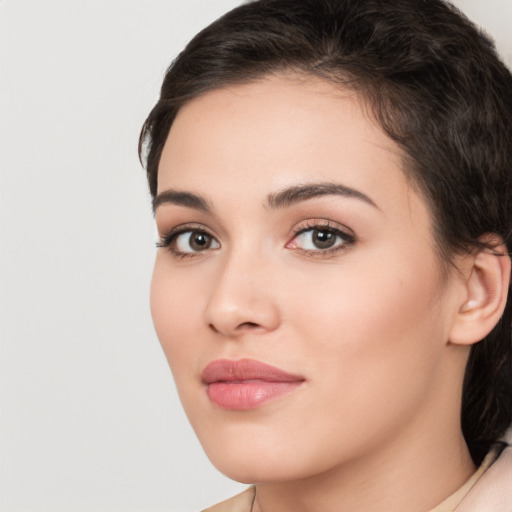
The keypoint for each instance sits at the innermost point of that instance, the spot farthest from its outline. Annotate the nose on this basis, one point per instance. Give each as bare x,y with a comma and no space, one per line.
243,298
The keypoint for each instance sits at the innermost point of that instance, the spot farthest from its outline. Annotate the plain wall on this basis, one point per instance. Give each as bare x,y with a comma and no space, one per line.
90,418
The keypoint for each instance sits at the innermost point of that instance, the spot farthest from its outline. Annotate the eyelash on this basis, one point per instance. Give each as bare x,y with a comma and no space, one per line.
167,240
326,226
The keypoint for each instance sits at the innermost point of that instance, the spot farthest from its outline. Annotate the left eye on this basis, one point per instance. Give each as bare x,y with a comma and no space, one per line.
320,239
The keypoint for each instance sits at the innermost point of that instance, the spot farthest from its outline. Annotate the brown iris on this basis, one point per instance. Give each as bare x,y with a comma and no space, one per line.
323,238
200,241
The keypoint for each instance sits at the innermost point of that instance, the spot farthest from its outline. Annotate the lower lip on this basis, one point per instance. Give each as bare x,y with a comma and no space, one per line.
245,395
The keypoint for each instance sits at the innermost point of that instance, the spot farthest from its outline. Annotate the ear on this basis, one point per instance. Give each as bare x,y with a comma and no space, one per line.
487,284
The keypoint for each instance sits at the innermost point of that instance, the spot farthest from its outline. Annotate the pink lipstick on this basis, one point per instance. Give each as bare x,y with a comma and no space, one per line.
244,384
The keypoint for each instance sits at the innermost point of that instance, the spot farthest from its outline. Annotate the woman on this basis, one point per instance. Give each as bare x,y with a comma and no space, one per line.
332,190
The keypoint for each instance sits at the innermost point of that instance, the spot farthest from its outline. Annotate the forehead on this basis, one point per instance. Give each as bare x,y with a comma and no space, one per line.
253,139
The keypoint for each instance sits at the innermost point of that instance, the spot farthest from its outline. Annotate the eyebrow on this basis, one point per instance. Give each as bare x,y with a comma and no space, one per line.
299,193
181,199
282,199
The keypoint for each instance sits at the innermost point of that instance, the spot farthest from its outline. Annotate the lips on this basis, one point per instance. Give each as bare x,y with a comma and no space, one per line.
246,383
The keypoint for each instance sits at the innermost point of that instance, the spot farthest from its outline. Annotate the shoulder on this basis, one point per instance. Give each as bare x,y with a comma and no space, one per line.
493,491
239,503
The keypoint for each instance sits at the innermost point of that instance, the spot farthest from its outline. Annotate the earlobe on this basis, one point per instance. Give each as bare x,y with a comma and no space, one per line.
486,289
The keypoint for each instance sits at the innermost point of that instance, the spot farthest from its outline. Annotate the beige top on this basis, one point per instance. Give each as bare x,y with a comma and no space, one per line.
453,501
485,491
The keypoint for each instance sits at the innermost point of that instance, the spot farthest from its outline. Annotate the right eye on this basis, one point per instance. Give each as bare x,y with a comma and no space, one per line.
189,242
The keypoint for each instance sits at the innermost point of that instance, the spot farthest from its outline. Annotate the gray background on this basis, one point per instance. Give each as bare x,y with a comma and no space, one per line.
90,419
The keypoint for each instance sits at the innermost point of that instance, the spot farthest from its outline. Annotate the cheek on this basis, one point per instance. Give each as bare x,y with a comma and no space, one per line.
373,336
175,309
374,298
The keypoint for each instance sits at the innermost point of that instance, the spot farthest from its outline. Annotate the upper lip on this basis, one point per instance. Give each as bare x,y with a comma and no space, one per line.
228,370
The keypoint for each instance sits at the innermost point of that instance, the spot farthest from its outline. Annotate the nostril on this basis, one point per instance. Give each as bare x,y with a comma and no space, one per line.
248,325
241,327
213,328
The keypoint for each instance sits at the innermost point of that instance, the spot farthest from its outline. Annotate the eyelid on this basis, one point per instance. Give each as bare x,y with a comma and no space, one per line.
321,223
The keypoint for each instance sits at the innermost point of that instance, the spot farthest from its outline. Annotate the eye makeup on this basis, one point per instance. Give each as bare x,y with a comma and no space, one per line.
188,240
314,237
320,237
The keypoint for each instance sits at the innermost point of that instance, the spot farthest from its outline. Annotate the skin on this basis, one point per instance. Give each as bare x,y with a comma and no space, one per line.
368,325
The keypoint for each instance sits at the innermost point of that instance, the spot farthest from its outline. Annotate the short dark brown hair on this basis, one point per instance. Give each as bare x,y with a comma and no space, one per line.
435,85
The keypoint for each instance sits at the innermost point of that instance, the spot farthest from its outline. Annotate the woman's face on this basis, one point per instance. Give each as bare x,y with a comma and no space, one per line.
297,293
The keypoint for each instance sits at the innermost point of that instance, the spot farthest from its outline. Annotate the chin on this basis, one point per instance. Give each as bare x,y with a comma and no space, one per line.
256,470
247,462
258,458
